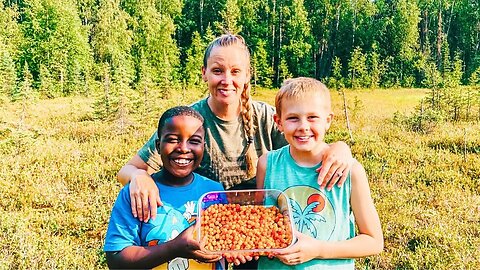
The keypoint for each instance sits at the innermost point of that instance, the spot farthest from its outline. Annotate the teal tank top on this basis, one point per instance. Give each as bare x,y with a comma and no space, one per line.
324,215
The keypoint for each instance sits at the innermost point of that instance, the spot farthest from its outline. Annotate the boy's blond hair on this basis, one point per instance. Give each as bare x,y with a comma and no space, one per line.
301,87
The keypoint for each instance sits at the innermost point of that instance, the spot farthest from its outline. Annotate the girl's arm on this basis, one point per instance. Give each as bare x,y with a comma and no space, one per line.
144,194
139,257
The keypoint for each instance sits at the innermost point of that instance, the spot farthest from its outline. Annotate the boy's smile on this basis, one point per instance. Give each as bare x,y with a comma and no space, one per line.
181,148
304,123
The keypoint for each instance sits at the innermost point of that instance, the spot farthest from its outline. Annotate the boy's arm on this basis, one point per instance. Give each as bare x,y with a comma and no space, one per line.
261,168
138,257
369,240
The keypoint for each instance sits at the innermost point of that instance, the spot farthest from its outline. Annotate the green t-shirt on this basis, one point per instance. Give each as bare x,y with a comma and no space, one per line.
225,144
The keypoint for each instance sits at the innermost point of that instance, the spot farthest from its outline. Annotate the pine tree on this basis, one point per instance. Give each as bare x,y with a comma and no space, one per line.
194,61
262,71
229,17
8,76
25,94
357,68
56,40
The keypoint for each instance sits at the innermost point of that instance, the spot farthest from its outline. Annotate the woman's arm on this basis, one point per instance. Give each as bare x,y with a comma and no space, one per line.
144,194
336,164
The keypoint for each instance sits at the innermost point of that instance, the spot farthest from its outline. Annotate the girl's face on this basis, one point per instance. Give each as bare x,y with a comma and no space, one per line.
181,146
226,74
304,122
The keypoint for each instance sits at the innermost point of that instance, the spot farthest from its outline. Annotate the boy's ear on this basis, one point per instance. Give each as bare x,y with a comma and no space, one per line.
276,119
329,121
203,74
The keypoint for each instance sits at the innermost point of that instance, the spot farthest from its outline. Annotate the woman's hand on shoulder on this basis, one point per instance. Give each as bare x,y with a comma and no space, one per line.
144,195
336,165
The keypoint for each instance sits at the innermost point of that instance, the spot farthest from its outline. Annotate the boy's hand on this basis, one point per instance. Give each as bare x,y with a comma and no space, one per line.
238,258
336,165
144,196
299,252
189,248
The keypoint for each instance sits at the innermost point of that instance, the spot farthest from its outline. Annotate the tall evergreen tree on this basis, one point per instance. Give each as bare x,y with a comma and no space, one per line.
55,39
229,17
194,61
262,71
112,43
297,43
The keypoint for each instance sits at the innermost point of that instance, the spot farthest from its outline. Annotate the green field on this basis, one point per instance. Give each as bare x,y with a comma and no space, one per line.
58,168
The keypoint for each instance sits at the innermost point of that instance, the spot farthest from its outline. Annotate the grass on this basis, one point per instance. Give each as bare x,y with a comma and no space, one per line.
58,169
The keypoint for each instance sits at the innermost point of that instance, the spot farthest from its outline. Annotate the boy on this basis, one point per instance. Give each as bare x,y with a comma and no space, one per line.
323,220
167,241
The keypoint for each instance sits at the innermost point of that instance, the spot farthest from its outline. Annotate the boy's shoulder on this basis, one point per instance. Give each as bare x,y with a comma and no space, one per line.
207,182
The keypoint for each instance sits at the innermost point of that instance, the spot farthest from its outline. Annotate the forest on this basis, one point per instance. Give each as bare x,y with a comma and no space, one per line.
126,48
83,82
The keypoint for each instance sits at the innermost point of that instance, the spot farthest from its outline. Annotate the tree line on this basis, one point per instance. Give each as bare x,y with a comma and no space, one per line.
127,47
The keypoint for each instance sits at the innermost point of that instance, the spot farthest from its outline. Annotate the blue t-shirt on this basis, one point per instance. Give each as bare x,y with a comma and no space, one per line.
324,215
178,212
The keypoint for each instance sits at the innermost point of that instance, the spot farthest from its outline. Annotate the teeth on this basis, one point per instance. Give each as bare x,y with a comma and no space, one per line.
182,161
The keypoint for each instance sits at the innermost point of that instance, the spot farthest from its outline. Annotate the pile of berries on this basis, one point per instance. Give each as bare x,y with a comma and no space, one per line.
244,227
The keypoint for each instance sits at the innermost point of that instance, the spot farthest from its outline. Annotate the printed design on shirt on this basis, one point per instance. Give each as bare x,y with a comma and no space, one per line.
170,225
312,211
229,170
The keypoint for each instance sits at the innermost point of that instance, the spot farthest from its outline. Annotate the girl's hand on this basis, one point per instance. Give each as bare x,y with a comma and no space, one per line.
300,252
144,196
336,165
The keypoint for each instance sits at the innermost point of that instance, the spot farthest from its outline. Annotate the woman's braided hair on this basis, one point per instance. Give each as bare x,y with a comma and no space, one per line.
246,111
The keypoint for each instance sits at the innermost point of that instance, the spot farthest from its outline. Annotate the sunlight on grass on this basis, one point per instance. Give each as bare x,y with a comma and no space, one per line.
58,172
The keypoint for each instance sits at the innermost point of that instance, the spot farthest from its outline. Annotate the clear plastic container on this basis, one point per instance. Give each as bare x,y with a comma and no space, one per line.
255,221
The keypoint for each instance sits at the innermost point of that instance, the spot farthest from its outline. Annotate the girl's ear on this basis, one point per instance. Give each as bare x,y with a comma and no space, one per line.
276,119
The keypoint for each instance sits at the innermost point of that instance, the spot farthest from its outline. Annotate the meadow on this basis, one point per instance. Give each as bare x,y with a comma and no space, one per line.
58,168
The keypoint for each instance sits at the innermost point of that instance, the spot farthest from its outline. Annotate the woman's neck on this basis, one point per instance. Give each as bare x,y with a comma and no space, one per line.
225,112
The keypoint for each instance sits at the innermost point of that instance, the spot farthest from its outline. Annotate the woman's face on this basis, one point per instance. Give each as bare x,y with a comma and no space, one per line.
226,74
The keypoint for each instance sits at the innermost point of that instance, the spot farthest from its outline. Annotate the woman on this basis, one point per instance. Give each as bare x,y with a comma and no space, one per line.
238,131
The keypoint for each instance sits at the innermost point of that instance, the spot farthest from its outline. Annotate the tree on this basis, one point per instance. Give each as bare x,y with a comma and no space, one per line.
296,48
112,42
55,39
194,61
229,18
24,93
357,68
262,71
8,76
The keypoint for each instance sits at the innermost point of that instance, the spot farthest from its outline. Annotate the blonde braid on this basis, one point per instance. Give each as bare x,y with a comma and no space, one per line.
246,106
251,157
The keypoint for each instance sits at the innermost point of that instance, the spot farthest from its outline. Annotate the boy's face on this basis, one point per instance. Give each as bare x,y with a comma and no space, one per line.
226,74
181,145
304,122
